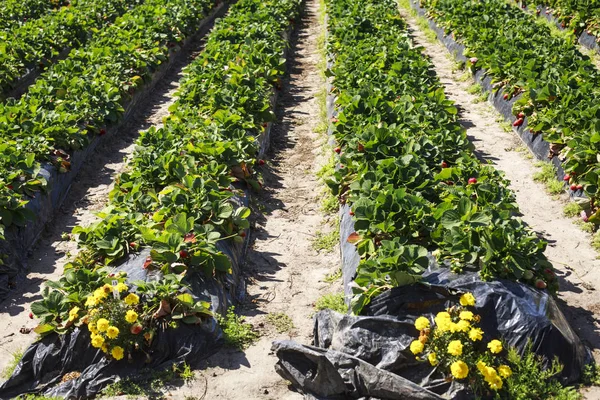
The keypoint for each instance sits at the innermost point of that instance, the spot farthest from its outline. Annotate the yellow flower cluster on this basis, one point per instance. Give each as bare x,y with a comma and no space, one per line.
99,296
450,343
492,376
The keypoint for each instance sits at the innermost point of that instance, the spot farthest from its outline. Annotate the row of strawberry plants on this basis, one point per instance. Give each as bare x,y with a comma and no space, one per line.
407,169
576,15
34,45
16,12
558,88
81,96
177,197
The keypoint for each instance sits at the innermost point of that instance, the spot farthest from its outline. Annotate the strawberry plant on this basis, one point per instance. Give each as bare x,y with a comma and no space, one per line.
18,12
177,198
78,97
417,192
35,44
575,15
558,87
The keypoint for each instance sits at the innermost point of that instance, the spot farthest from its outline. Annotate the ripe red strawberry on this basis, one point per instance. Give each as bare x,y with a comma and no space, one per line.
30,315
135,329
361,148
102,132
521,115
261,162
566,177
265,124
184,254
444,164
579,187
540,284
573,187
10,187
243,234
472,181
518,122
338,150
351,213
133,245
505,97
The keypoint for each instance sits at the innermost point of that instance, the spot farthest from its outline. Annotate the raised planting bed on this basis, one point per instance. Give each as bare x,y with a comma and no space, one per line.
169,245
427,232
581,18
18,12
33,46
549,86
81,102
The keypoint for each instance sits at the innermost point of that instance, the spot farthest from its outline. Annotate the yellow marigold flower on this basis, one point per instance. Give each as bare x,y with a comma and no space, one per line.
416,347
495,383
97,341
466,315
102,324
495,346
432,357
92,327
475,334
467,299
463,326
489,374
131,316
107,288
443,321
117,352
104,348
112,332
132,299
459,369
91,301
121,287
421,323
504,371
481,366
455,348
73,314
100,294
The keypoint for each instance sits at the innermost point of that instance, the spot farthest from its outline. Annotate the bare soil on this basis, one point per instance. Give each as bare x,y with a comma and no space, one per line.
569,247
88,195
284,273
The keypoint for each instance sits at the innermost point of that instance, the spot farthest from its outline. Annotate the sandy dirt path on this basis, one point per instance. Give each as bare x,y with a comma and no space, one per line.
569,248
284,274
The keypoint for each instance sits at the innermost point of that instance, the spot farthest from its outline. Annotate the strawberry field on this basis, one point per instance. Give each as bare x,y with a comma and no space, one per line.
233,113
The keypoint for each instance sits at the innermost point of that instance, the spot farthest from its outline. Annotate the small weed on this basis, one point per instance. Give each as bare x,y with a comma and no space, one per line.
326,241
475,89
327,170
506,126
186,372
572,209
238,333
330,278
596,240
329,203
281,322
530,380
334,301
10,368
149,383
591,375
585,226
547,175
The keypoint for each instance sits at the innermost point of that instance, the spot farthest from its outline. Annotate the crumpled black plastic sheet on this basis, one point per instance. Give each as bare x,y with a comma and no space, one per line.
46,362
514,312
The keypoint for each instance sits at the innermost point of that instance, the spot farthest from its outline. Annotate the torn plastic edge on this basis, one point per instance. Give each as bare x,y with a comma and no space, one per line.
539,147
44,204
